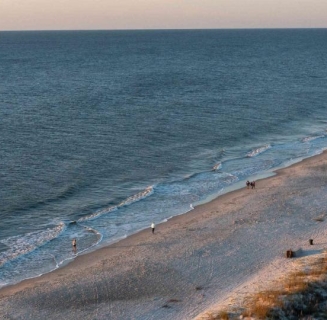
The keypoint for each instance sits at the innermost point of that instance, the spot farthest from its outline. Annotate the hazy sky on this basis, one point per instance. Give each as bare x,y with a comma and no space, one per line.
161,14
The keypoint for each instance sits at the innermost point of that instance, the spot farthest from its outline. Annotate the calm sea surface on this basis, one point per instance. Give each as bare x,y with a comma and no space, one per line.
104,132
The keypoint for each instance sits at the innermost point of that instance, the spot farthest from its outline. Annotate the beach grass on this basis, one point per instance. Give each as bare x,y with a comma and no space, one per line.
301,294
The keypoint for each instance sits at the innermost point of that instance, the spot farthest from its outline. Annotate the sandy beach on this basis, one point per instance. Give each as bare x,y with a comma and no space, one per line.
199,261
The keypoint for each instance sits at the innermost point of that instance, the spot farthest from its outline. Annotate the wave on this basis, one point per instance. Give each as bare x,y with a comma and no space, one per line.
217,166
310,138
258,150
137,197
22,244
61,195
229,178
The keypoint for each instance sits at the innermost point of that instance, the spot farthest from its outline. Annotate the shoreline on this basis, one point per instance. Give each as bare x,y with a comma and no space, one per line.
177,257
234,187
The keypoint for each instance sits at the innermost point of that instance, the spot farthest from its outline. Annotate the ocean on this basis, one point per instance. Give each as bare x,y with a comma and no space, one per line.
104,132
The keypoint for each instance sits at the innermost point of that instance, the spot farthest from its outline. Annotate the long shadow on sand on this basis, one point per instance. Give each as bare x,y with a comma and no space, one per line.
305,253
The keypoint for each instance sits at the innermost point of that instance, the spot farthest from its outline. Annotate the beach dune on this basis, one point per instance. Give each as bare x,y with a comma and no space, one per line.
195,262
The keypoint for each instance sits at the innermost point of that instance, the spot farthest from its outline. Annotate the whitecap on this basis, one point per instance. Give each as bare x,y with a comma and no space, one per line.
217,166
256,151
22,244
310,138
137,197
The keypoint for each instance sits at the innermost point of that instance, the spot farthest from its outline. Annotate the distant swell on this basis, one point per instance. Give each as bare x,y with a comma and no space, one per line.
137,197
258,150
62,195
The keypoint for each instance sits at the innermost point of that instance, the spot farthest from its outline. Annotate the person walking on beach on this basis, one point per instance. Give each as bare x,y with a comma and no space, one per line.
248,184
153,227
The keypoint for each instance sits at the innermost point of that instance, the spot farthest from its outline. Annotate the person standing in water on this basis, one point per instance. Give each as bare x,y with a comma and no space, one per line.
74,244
153,227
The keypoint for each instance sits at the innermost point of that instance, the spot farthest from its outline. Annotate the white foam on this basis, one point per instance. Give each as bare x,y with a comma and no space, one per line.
22,244
137,197
258,150
310,138
217,166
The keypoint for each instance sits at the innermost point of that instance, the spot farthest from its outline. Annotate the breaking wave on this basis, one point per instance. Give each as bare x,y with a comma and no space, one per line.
22,244
137,197
311,138
217,166
258,150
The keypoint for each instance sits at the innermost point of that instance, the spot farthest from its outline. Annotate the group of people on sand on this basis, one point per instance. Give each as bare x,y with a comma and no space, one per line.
250,184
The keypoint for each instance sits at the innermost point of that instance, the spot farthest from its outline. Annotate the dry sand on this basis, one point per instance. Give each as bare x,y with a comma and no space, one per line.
209,257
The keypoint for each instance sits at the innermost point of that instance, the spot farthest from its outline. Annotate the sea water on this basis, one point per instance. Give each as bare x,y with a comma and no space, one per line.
104,132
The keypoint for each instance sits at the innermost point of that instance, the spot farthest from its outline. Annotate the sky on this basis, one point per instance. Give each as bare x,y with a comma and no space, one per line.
160,14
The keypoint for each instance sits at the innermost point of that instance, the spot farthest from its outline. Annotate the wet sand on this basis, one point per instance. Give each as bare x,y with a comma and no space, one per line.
193,262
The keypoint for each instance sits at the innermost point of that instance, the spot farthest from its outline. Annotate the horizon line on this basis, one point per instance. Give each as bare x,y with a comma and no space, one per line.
167,29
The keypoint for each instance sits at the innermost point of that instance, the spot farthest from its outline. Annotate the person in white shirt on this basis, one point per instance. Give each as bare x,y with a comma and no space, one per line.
153,227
